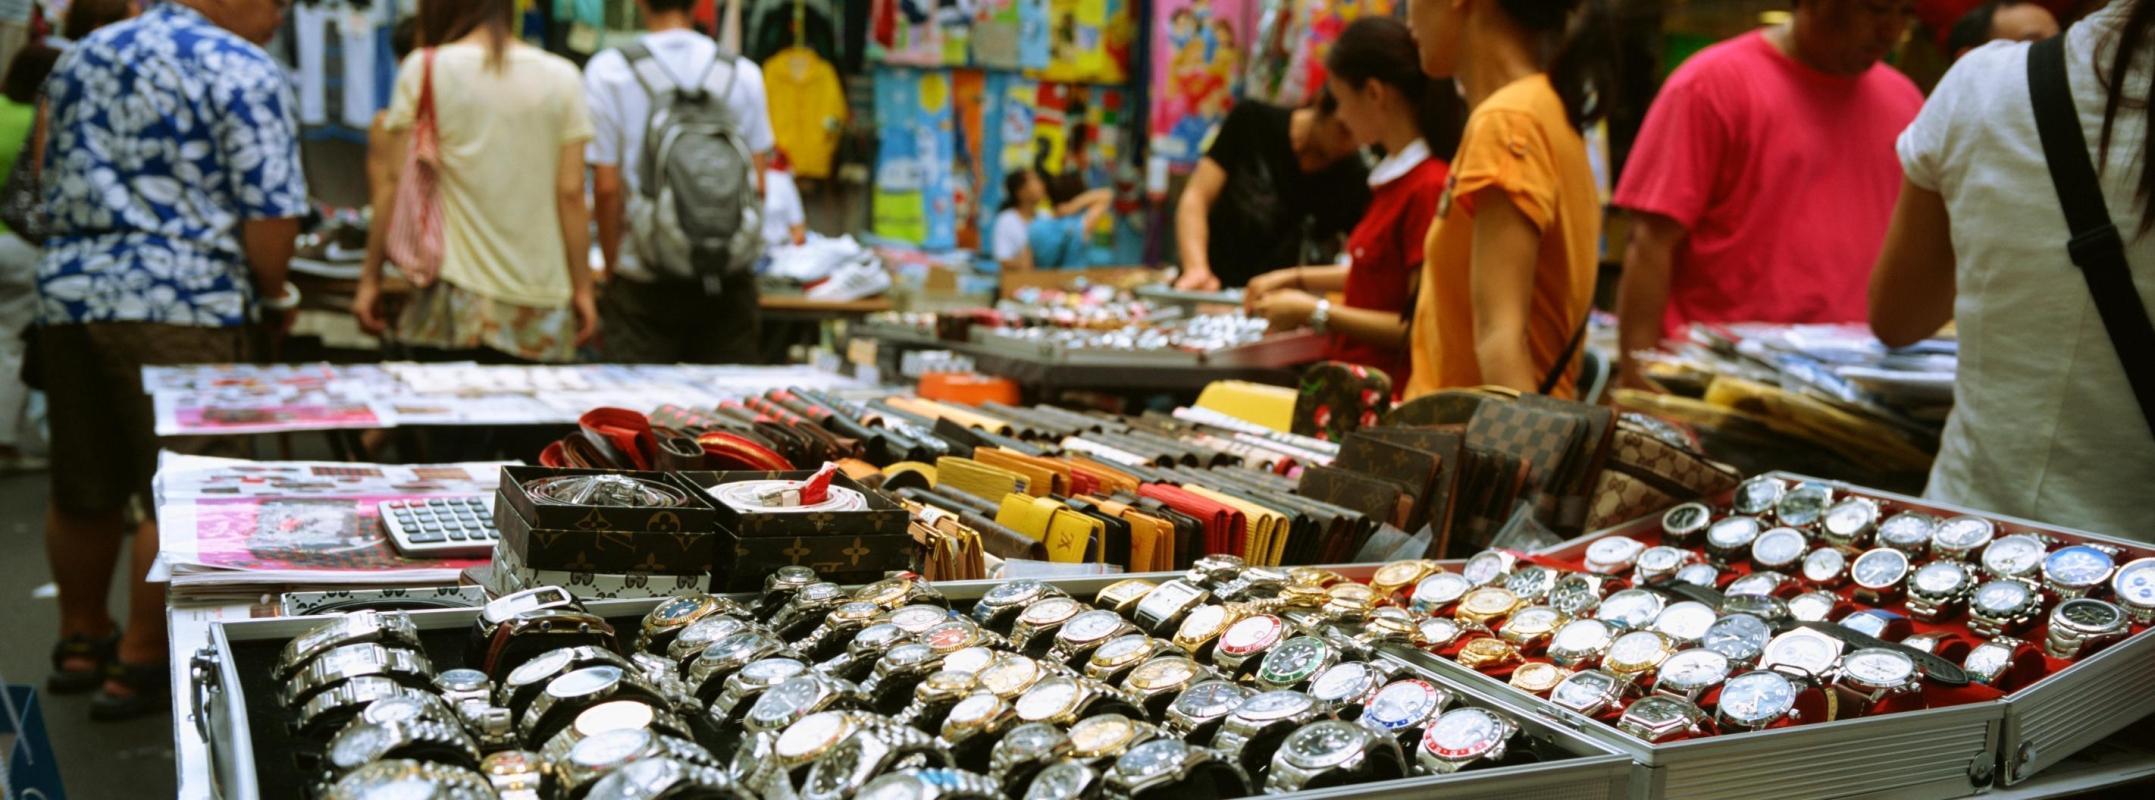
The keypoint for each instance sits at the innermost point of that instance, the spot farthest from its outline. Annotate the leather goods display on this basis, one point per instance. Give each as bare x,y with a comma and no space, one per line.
1337,398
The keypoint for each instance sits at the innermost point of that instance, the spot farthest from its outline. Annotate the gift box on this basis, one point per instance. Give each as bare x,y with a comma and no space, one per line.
882,517
696,515
841,546
676,552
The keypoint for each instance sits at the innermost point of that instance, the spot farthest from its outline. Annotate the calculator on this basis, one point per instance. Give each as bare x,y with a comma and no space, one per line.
441,527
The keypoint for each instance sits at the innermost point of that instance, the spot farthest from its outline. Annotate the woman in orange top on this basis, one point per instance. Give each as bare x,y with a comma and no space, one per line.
1508,278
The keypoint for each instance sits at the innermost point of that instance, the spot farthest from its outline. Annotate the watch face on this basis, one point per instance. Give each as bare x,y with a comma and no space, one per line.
1091,626
918,618
1343,682
1758,495
1963,533
1850,518
1031,741
610,749
740,647
1488,601
1939,579
1203,623
1101,735
770,671
2001,598
969,659
1756,698
1537,676
974,710
1868,622
1013,591
1694,669
2135,583
1763,582
1531,582
1685,518
1582,636
884,592
1010,674
785,701
540,667
1274,705
1464,733
1294,661
461,680
1824,565
1401,704
1062,780
614,716
1487,567
1324,744
1173,671
1733,533
2076,566
1584,690
1398,572
1051,697
1879,666
1907,530
1778,547
359,744
1534,621
836,769
812,734
1441,589
893,786
1153,758
1251,634
1638,650
1439,630
910,654
1575,594
403,708
947,682
1122,648
1699,575
585,682
1804,649
817,593
1657,712
949,636
1614,550
1685,621
1813,606
1211,699
1987,660
1881,568
1051,610
1803,505
2014,556
708,630
1353,594
1740,637
879,636
1631,609
2090,614
678,610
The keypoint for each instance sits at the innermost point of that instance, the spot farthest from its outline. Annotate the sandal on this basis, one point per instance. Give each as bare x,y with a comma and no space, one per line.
149,691
99,651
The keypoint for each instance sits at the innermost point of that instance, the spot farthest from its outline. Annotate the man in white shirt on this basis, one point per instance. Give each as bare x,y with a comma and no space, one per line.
646,319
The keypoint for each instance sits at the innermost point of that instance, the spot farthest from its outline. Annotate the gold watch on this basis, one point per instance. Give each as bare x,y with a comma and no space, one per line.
1487,604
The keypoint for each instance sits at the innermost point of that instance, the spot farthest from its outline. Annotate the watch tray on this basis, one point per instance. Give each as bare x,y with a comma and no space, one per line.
254,756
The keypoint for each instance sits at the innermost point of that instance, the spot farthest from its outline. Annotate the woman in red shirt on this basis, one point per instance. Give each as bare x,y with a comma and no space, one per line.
1386,101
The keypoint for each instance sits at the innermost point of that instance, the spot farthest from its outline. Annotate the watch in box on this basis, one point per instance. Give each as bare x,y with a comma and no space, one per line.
1986,663
1729,539
1803,506
1849,524
1613,555
1815,606
2018,555
1158,682
1939,589
663,779
1023,751
1062,780
1804,651
935,696
441,781
1685,622
1758,495
1631,609
1243,646
1172,768
1589,692
1741,638
667,620
1489,654
1878,575
2134,587
1113,661
2082,625
1065,699
1489,567
1635,655
1692,673
1755,700
1253,732
1909,532
998,610
1581,643
1661,718
1035,630
393,628
1871,675
1531,583
690,641
595,757
1878,624
1331,753
741,689
1660,563
1123,596
1762,582
796,697
1825,567
1076,640
429,740
1437,633
1960,537
1294,662
1197,713
1163,609
1778,550
861,654
401,664
1463,737
707,674
2003,606
829,639
1108,736
2073,571
1578,593
1538,678
1531,627
1682,525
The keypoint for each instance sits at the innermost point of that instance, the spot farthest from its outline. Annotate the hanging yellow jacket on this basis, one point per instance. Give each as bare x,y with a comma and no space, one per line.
808,108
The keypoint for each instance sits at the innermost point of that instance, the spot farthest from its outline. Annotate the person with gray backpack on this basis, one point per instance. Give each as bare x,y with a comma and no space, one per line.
682,130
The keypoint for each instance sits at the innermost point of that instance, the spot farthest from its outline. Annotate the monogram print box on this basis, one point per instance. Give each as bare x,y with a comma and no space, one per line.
597,538
852,510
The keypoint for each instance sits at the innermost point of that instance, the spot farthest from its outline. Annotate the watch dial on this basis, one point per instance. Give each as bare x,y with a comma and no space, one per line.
1630,609
1778,547
1439,630
1091,626
1537,676
1122,648
709,629
2135,583
1295,659
836,769
462,680
1401,704
1733,533
404,708
2079,565
1013,591
1441,589
1102,734
610,748
1848,519
1879,666
878,636
970,659
1939,578
1582,636
1638,650
358,745
1880,568
1574,594
1699,575
1063,780
2089,613
1997,598
1804,505
1657,711
785,701
1660,558
1685,518
677,610
1342,682
1963,533
584,682
1693,669
1323,744
1987,659
1907,530
539,668
1211,699
1813,606
1251,633
1531,581
910,654
1203,622
1397,572
1053,609
893,786
812,734
1806,650
1757,583
1274,705
819,593
1048,699
1485,567
1464,733
1162,672
1489,601
918,618
1156,757
1010,674
2014,555
1824,565
739,647
884,592
772,670
1759,494
1534,620
1685,621
1031,740
1614,550
1755,698
949,636
973,710
1583,690
1740,637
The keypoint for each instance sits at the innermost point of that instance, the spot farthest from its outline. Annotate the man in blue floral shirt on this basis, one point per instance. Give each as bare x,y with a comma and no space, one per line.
174,186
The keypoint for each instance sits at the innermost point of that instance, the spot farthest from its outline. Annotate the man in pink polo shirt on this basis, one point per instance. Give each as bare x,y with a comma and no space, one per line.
1762,182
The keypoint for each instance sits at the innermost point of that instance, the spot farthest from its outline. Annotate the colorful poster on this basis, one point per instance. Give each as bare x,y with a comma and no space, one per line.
1034,41
915,37
1000,28
914,198
972,161
1293,38
1197,51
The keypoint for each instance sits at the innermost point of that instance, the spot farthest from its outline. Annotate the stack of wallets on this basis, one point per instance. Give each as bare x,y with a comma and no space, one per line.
603,533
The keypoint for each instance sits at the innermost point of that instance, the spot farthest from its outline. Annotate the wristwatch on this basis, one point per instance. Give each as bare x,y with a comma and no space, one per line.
1758,495
398,776
1442,589
1244,643
869,751
1581,643
1661,718
1931,643
329,710
1755,700
615,715
1804,651
567,696
1253,732
1113,661
1404,708
1065,699
690,641
1334,753
1538,678
1123,596
525,635
1685,622
1464,736
868,647
1879,623
1163,609
799,696
594,757
1010,675
1487,654
1489,567
741,689
1631,609
1108,736
523,684
340,664
2018,555
1215,569
999,608
1348,685
1741,638
900,590
1909,532
1589,692
1660,563
2003,606
1076,640
1613,555
1294,662
667,620
407,707
1313,576
459,686
1635,655
814,736
1158,682
1436,633
509,606
391,628
781,585
1164,768
1988,662
423,739
1803,506
1253,584
1825,567
934,697
897,673
1391,578
1729,538
829,639
665,779
1531,583
1530,628
1816,606
1778,550
1691,674
1682,525
1035,630
807,609
1390,624
1850,523
2082,625
1874,674
1706,575
2072,571
1487,605
1348,602
707,674
2133,585
514,774
949,638
1939,589
1767,608
1197,713
917,618
1062,780
1763,582
1960,537
1878,574
1578,593
1022,753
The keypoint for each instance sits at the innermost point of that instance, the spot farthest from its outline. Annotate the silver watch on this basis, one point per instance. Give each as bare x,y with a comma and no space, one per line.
2083,625
1165,763
2073,571
1464,736
392,628
1874,674
1661,718
1960,537
1939,589
1336,753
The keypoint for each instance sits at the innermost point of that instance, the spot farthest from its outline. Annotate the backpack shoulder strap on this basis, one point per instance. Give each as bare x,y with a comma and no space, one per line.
2096,247
650,72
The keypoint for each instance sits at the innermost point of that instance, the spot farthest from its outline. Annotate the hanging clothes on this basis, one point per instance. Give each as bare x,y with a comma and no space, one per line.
808,108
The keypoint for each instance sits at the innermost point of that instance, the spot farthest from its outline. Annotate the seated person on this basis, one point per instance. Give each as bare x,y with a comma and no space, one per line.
1030,234
785,220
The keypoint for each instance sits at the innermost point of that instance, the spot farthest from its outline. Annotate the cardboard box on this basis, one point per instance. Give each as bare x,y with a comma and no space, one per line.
672,552
883,516
697,515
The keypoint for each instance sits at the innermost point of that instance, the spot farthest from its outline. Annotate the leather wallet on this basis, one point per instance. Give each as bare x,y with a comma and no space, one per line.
1027,514
1224,526
986,482
1040,481
1379,500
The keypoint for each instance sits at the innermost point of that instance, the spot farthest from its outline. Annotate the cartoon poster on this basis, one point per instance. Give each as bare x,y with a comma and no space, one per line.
1088,41
1197,48
1001,29
1293,38
905,160
915,37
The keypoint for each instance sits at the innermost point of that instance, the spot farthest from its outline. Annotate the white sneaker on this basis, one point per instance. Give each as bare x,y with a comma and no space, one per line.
854,280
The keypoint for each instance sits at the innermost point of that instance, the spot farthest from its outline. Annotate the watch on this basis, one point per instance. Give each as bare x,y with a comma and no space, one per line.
1850,523
2072,571
1158,682
1215,569
667,620
595,756
1878,574
1778,550
1333,753
796,697
1065,699
743,688
1681,526
999,608
514,774
340,664
869,751
1939,589
2133,585
1613,555
829,639
1768,608
614,715
900,590
1531,627
2018,555
1251,734
1113,661
1035,630
691,641
399,777
1661,718
1685,622
1294,662
1805,651
1909,532
1318,577
1244,643
1023,751
1637,654
1932,643
525,635
897,673
391,628
1390,624
1581,643
1578,593
1660,563
974,725
509,606
1825,567
1010,675
919,618
1196,713
781,585
1691,674
1589,692
2003,606
1706,575
1878,624
1348,685
709,671
1391,578
1062,780
408,707
1803,506
1871,675
1464,736
1538,678
1631,609
934,697
1489,567
1348,602
1076,640
665,779
1760,582
867,647
1437,633
1108,736
1162,610
1758,495
1988,662
1960,537
2084,625
1741,638
1252,584
1164,768
1123,596
568,695
1729,538
329,710
1442,589
806,609
1755,700
459,686
1489,654
423,739
1816,606
1531,583
1404,708
1487,605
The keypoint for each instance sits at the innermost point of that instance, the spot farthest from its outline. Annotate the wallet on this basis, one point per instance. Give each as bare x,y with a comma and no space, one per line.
989,483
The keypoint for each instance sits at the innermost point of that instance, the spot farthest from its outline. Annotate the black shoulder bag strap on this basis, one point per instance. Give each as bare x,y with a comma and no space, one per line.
1563,361
2096,247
